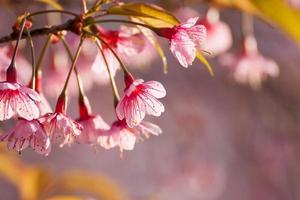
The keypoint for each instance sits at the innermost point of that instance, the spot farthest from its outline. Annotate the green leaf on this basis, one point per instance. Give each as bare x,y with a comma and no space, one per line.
150,14
206,63
52,3
275,12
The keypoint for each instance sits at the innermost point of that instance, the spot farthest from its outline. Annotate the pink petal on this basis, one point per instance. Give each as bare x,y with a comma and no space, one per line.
155,88
183,48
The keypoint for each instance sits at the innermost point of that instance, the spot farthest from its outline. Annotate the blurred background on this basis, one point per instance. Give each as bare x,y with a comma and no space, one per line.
221,140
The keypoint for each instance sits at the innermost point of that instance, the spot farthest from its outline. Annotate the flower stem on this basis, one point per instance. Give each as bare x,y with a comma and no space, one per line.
32,59
79,83
42,55
72,67
124,68
84,6
13,62
112,80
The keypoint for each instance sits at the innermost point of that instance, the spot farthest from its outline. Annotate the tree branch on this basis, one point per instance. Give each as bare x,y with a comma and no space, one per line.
41,31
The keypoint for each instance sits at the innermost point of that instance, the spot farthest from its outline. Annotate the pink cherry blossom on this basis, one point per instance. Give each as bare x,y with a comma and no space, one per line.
125,137
140,99
59,126
16,99
249,66
219,37
100,73
185,40
28,134
93,126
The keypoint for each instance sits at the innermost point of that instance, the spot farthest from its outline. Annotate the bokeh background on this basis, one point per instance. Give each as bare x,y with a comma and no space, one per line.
221,140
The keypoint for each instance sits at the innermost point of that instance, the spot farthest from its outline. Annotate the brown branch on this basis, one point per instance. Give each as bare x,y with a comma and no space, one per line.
41,31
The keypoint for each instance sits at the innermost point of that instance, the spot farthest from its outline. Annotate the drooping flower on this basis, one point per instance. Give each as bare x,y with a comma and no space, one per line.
219,37
28,134
60,127
249,66
93,125
140,99
16,99
185,39
120,134
126,42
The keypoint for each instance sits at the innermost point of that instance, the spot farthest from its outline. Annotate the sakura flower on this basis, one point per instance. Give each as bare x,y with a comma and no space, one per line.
219,37
93,125
125,137
16,99
27,134
140,99
185,40
60,127
92,128
100,73
250,66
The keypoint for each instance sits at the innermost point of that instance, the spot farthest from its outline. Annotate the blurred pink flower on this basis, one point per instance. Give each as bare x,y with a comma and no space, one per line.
185,40
125,137
16,99
60,127
140,99
28,134
100,73
219,37
250,66
93,125
294,3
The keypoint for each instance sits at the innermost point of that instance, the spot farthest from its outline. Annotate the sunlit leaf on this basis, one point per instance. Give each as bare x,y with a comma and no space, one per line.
206,63
66,198
276,12
150,14
52,3
99,186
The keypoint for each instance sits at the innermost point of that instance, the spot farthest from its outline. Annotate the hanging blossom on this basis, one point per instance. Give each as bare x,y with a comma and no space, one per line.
92,125
249,66
120,134
140,99
60,127
16,99
127,42
185,40
219,37
28,133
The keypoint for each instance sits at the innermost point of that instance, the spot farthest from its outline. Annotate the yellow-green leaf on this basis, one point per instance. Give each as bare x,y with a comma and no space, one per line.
276,12
52,3
150,14
206,63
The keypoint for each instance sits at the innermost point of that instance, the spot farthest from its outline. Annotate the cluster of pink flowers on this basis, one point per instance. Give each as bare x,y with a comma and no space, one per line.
39,127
